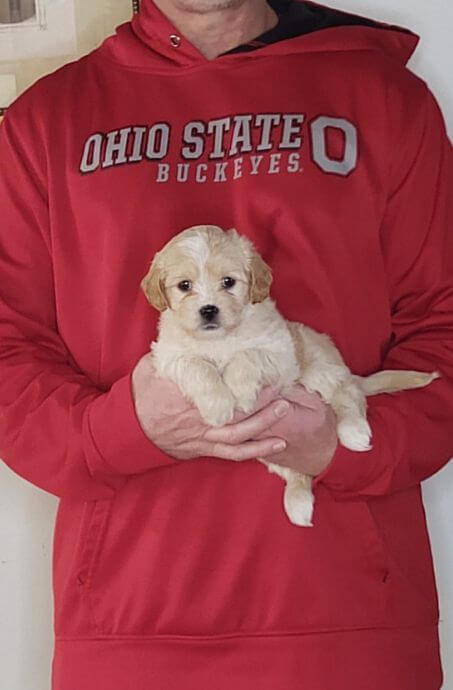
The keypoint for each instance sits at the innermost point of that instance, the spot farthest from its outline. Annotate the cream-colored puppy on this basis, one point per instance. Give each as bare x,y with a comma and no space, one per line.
221,338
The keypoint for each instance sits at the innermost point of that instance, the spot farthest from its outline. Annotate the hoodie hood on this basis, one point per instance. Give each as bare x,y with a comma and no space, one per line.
150,42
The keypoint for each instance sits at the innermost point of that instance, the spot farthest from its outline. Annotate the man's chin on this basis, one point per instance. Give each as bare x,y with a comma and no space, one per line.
205,6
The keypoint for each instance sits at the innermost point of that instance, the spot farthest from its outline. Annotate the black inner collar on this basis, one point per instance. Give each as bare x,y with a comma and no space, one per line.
297,18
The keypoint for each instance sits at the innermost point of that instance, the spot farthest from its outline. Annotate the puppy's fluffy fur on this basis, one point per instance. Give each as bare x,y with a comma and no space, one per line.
221,338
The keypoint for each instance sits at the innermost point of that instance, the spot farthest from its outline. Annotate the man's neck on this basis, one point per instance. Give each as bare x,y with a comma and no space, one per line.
215,31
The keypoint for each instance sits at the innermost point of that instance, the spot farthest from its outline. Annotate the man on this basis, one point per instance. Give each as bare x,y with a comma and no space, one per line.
173,568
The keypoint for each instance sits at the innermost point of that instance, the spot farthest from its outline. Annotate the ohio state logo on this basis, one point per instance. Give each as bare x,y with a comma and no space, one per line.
226,148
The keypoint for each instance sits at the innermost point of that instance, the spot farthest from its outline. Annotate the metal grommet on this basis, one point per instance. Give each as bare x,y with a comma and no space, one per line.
175,40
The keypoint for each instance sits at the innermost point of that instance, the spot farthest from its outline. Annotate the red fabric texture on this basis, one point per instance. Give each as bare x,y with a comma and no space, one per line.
396,659
187,573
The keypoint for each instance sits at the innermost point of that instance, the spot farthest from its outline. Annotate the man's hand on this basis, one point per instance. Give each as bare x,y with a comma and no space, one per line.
174,424
309,428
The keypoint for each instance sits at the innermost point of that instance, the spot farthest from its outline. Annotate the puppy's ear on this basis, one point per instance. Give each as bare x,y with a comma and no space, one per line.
260,272
260,279
153,286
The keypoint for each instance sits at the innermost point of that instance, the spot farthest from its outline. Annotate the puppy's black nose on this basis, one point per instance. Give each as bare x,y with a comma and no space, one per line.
209,312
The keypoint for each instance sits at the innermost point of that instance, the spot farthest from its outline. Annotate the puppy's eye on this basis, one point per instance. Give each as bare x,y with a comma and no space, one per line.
228,282
185,285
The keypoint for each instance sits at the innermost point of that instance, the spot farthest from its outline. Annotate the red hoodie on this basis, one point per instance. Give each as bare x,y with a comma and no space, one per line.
333,158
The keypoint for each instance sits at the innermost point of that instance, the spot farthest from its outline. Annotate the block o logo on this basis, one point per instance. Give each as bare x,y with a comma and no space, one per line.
348,162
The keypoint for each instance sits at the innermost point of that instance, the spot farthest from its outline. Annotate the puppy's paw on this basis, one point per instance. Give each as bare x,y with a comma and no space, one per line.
216,410
355,434
244,387
246,403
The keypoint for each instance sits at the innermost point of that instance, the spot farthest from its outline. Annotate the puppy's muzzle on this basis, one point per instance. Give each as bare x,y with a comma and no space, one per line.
209,314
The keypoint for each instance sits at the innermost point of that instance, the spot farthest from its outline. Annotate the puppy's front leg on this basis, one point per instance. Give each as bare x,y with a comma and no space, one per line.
201,382
245,374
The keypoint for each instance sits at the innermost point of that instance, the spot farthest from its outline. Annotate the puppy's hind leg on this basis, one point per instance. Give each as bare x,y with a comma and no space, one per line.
349,404
323,369
298,499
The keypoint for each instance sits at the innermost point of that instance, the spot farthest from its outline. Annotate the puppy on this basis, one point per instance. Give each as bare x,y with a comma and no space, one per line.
221,338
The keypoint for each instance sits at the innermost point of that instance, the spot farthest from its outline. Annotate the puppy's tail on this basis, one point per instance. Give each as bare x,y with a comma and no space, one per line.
391,381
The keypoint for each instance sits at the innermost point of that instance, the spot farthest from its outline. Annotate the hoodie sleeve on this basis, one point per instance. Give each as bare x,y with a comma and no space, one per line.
57,429
412,430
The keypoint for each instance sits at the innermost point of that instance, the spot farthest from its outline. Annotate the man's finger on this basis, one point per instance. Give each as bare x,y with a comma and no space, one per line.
245,451
250,427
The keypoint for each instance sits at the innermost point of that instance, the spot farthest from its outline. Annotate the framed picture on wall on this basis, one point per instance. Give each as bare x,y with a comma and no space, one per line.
37,36
34,29
16,14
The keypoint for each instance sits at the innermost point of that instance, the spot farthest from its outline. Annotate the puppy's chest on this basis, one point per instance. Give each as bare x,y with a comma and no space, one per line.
279,354
273,353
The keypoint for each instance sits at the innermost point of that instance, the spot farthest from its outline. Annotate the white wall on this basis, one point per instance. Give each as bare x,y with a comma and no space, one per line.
27,513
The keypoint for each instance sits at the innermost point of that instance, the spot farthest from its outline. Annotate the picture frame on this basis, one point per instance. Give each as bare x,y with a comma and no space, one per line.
21,19
18,14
